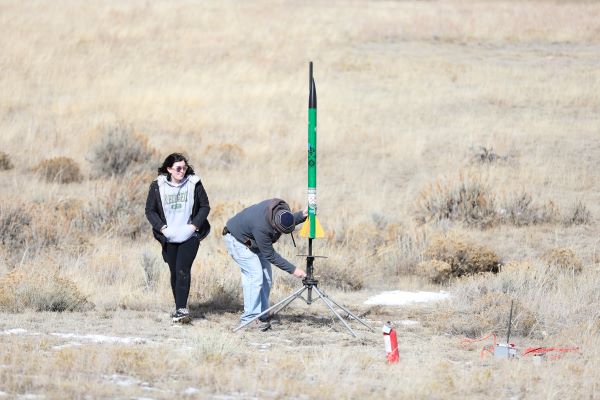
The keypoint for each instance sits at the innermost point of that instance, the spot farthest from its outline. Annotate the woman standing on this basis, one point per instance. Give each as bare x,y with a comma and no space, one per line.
177,208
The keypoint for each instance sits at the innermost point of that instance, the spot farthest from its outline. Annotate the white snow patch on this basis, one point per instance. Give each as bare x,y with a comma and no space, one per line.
2,394
400,298
66,345
191,391
408,322
122,380
15,331
261,346
233,396
103,339
29,396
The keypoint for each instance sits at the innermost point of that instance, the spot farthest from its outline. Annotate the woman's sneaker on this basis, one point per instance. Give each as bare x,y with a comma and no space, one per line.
182,316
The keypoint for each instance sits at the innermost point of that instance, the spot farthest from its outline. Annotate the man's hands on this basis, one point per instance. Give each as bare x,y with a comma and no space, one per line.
299,273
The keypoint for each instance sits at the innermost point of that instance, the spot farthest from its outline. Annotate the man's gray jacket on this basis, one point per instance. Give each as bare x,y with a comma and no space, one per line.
254,227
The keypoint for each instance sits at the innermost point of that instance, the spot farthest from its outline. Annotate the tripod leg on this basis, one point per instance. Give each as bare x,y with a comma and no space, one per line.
345,310
283,304
326,301
287,301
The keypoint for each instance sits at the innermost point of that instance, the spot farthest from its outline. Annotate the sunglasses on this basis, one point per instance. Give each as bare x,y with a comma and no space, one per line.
180,168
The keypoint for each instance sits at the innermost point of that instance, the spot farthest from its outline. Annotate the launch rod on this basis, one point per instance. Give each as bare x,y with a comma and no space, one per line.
309,272
509,322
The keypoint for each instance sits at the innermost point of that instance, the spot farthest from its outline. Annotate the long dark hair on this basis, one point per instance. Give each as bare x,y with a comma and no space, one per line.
172,159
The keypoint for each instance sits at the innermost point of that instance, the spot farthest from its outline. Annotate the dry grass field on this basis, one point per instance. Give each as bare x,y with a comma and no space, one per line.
459,150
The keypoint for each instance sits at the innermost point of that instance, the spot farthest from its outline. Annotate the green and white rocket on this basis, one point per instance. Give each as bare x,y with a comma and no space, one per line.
312,228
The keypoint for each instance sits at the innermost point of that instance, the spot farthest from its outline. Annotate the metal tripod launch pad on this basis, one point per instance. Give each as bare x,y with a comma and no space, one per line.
309,284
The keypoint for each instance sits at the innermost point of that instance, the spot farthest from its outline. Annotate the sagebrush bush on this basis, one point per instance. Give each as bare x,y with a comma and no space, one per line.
563,259
28,228
520,210
120,151
463,257
466,199
489,312
579,214
347,277
118,207
40,290
14,222
435,270
5,163
484,155
152,270
211,294
59,169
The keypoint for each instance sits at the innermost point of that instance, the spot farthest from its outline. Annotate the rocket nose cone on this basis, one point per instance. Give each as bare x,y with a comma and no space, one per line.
312,95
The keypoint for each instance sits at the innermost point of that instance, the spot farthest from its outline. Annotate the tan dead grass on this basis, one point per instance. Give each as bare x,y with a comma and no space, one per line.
405,90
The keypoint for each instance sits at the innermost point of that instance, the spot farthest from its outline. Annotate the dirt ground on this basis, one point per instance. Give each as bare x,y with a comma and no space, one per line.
307,354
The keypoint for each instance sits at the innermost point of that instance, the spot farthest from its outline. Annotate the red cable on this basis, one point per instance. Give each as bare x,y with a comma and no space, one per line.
489,349
544,350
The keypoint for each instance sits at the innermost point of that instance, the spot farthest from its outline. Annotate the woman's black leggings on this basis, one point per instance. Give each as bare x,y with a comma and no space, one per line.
180,257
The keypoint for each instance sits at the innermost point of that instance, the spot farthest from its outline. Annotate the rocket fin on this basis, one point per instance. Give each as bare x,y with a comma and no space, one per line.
305,230
319,233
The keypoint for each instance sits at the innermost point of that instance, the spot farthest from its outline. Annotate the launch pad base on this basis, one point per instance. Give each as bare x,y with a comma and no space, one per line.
310,284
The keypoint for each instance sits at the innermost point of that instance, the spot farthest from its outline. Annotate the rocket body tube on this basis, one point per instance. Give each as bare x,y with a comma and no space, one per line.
312,153
312,228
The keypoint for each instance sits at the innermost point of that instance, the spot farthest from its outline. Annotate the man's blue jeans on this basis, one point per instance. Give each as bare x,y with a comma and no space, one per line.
256,277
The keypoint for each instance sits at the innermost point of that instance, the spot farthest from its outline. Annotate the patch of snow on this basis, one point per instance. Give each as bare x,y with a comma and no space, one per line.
261,346
103,339
191,391
400,298
2,394
16,331
233,396
66,345
408,322
122,380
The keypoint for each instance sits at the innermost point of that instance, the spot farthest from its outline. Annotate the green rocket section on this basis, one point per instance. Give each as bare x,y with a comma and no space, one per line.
312,228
